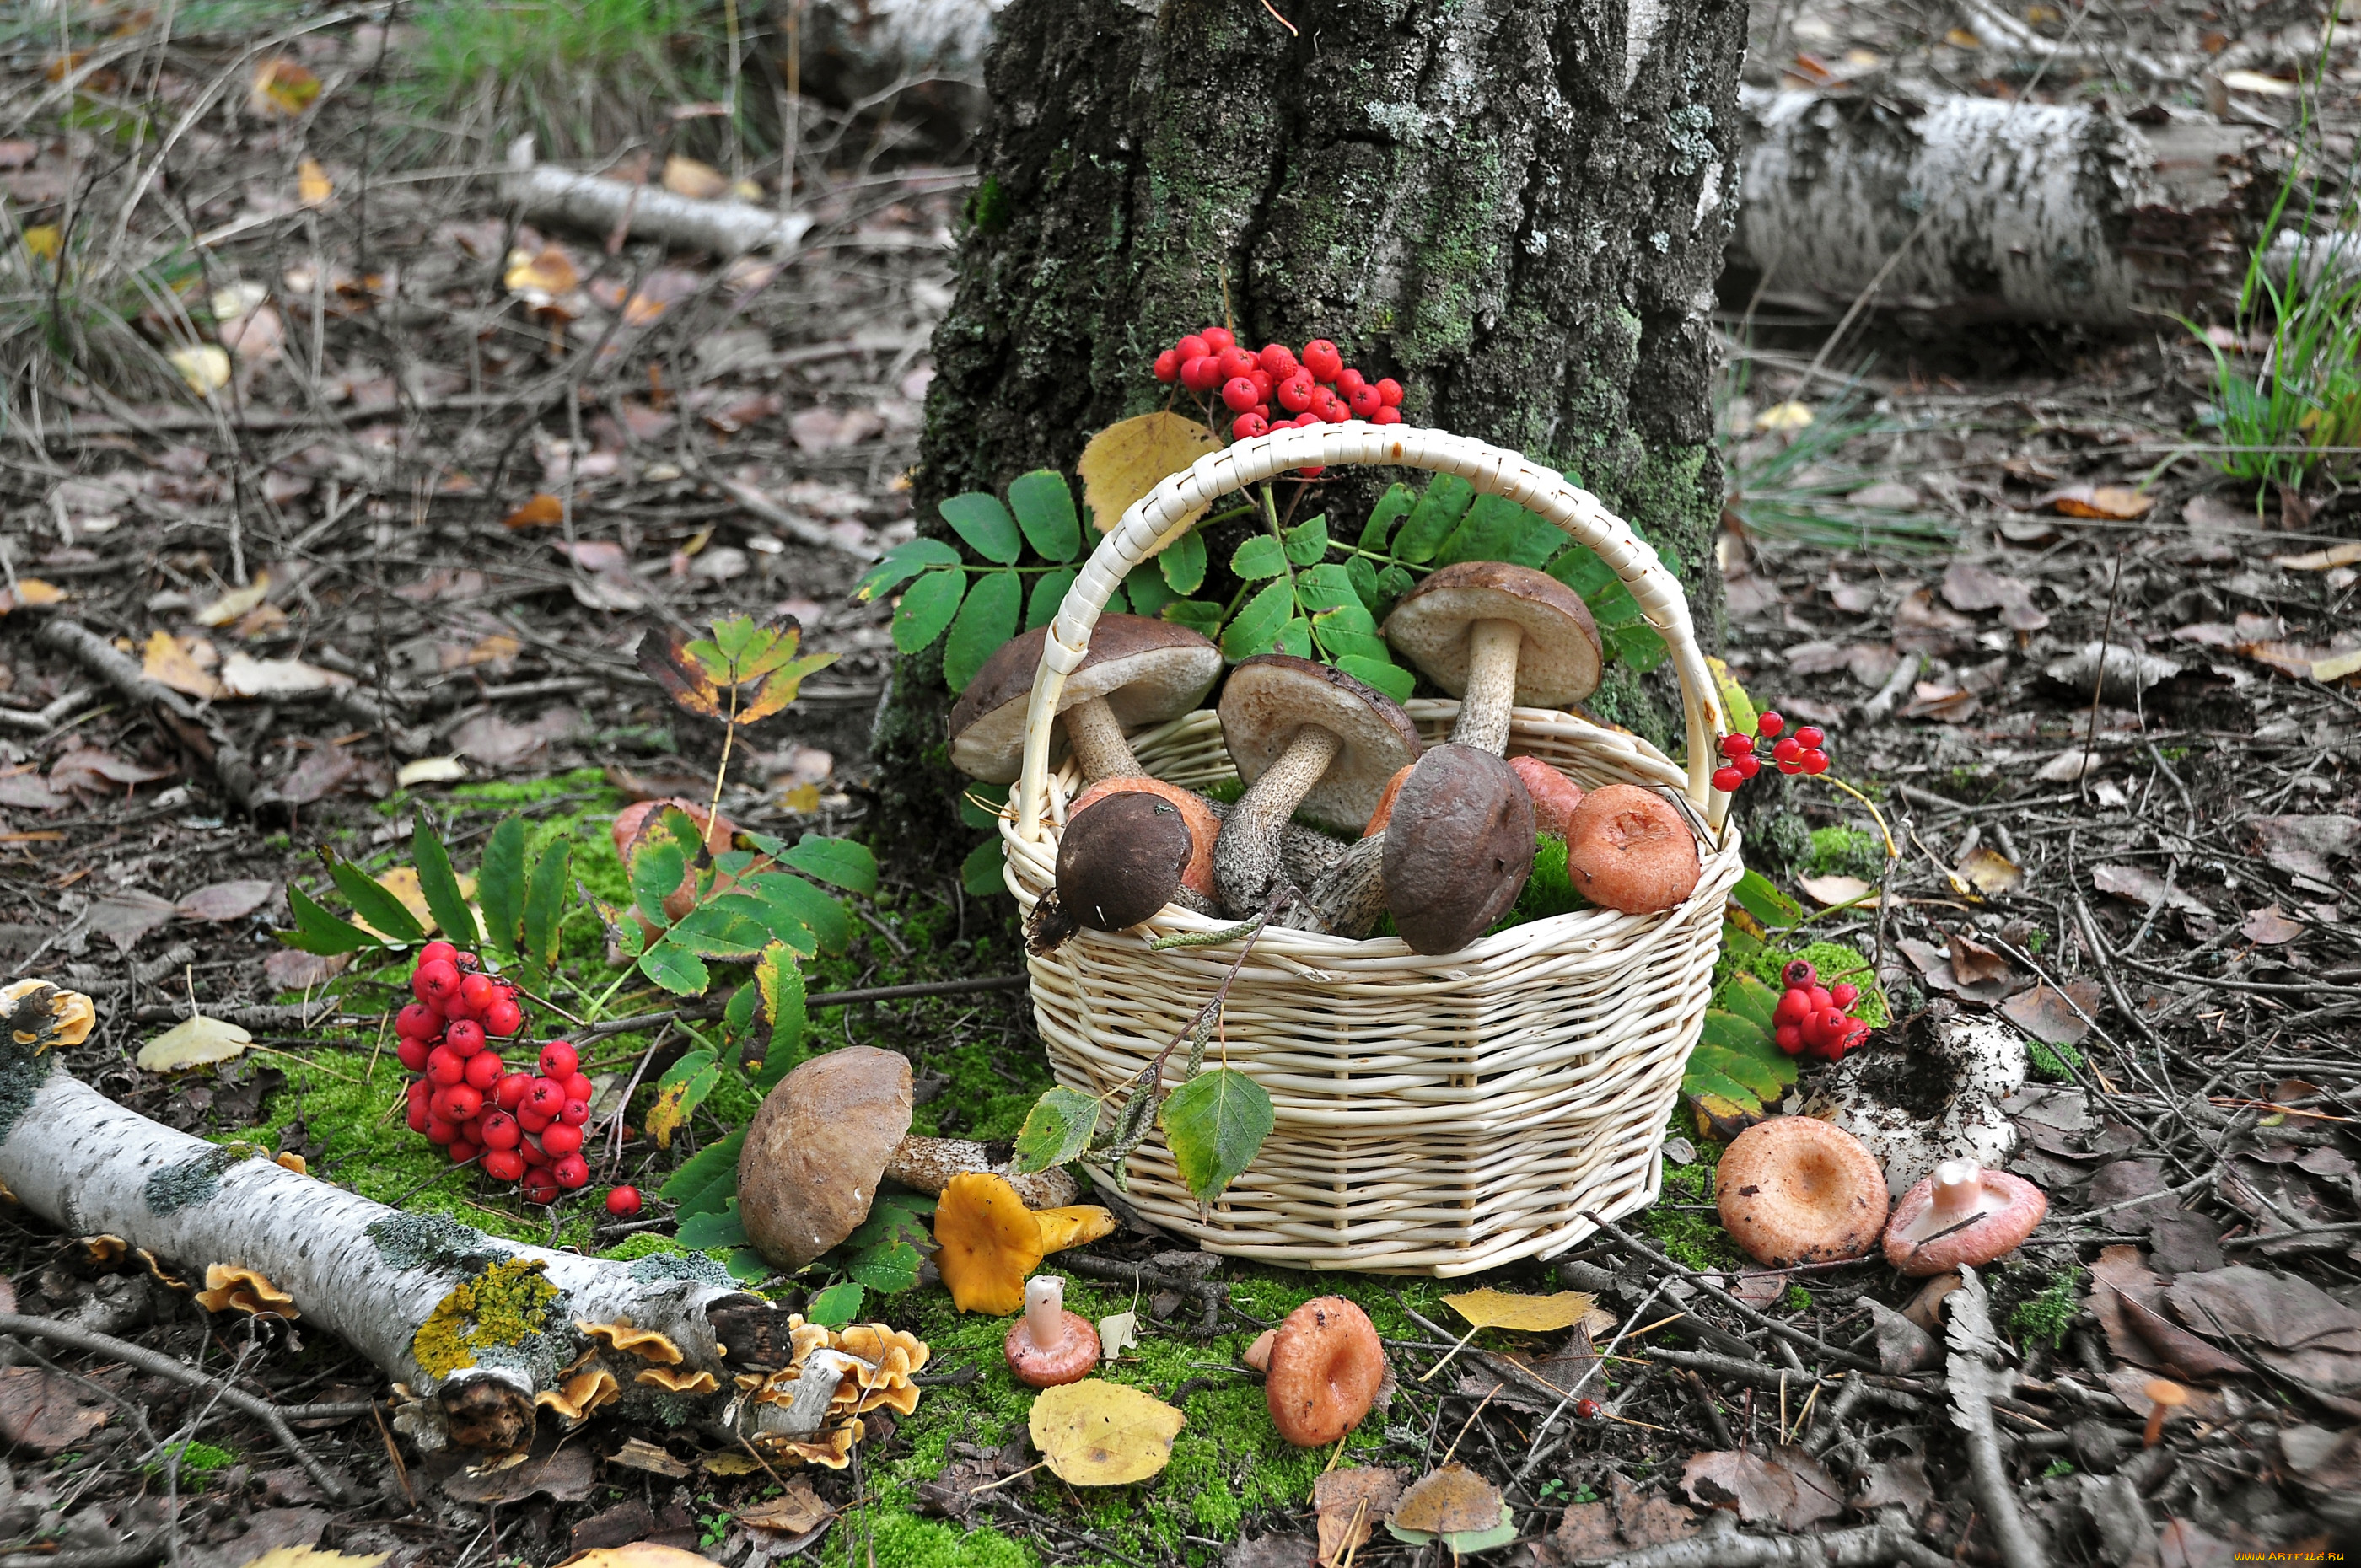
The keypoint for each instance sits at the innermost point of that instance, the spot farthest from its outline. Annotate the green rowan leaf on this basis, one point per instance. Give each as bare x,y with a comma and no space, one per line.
499,884
1044,505
926,609
1182,563
979,519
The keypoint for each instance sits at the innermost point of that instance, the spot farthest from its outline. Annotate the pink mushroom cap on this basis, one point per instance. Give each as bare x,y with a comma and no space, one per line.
1555,796
1048,1346
1627,849
1961,1215
1795,1190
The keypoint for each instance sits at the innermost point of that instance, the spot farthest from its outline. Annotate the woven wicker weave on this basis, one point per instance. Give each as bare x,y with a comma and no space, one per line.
1435,1115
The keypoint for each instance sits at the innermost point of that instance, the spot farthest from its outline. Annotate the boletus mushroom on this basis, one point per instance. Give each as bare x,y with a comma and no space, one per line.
1133,845
1497,635
828,1133
1795,1190
1308,738
1453,854
1627,849
1961,1215
1326,1365
1048,1346
1139,671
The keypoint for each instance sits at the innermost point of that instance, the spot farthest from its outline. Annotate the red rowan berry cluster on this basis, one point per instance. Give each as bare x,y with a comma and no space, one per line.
1815,1018
1315,387
527,1127
1805,751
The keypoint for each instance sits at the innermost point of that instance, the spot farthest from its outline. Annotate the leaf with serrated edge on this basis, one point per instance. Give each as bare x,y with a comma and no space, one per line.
1130,457
499,884
836,1306
1215,1125
1096,1433
1056,1130
680,1092
666,660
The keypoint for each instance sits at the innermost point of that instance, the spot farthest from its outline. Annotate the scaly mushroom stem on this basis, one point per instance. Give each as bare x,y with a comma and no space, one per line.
927,1164
1246,861
1096,736
1306,852
1491,691
1347,901
1044,1308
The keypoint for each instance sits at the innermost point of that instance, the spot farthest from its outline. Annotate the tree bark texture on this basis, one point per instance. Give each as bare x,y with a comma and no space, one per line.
2024,211
1517,210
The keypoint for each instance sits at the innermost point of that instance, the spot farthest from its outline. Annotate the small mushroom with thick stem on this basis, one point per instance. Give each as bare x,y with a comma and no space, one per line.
1305,736
1961,1215
1497,635
1131,845
1050,1345
1139,671
825,1137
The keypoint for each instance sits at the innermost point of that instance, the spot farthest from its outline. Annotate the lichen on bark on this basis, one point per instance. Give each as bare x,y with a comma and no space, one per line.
498,1318
189,1182
1519,210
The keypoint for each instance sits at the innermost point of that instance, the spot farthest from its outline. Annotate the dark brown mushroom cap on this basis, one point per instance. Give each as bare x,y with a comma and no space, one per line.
1272,696
1458,848
817,1149
1148,670
1121,861
1557,664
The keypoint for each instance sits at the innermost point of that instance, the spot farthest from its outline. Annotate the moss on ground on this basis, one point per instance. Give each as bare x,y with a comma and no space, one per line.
1692,1238
1841,850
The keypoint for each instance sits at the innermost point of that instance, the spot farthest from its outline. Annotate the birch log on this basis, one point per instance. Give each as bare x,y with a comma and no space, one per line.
549,195
2022,211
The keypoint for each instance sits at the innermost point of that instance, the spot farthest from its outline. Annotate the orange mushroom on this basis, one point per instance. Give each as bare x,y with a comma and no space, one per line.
229,1288
988,1242
1795,1190
1629,849
1326,1365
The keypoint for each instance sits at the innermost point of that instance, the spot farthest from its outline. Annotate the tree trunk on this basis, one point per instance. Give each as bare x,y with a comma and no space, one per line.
1519,210
2029,212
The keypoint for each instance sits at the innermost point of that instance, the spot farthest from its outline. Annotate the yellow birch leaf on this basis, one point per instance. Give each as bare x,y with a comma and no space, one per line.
2336,666
170,662
1126,460
1096,1433
31,592
313,186
1834,889
1787,416
206,367
44,240
282,89
236,603
314,1557
1453,1500
1490,1309
194,1042
402,883
637,1554
1991,872
697,181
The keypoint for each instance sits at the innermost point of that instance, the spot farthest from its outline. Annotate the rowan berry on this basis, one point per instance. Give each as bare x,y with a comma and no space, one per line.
1814,761
439,951
511,1090
1364,402
1262,383
465,1037
484,1072
1330,407
1844,995
1736,746
479,992
1202,374
1750,764
1192,346
546,1098
418,1022
1168,367
534,1153
1219,337
1769,724
1790,1038
504,1164
435,982
1727,779
559,1060
560,1139
1349,381
1388,415
532,1121
446,1067
622,1202
462,1151
412,1054
1239,394
1307,418
503,1019
579,1087
418,1116
1278,359
576,1111
1236,362
1810,736
1390,391
540,1187
1294,394
1799,975
1320,357
500,1131
1248,425
571,1172
462,1103
1791,1008
437,1130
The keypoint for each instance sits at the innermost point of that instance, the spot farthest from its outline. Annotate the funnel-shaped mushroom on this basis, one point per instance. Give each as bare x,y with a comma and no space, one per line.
1306,736
824,1139
1961,1215
1795,1190
1627,849
987,1242
1326,1365
1139,671
1497,635
1048,1346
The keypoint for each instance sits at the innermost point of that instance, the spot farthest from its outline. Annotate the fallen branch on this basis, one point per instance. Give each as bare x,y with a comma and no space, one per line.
602,206
1974,1377
205,741
1863,1548
43,722
1829,1353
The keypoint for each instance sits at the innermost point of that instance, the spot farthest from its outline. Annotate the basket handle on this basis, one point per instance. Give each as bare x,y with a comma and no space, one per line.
1179,497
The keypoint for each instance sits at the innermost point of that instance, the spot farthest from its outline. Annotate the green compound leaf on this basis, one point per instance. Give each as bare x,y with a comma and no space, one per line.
1390,678
985,524
1760,897
1391,508
836,1306
1057,1129
884,1253
1307,541
902,563
839,862
659,864
1048,593
1259,557
676,967
499,884
747,1266
679,1093
1044,505
1149,592
779,980
927,607
1737,1069
715,1228
545,902
1255,628
317,931
689,1187
1431,522
1216,1125
1182,565
373,903
1199,616
980,873
794,901
987,619
440,885
1750,999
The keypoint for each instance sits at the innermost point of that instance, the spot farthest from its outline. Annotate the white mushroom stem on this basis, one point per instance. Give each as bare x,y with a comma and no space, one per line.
1959,1198
1246,860
1097,739
1045,1311
1349,899
1492,648
927,1164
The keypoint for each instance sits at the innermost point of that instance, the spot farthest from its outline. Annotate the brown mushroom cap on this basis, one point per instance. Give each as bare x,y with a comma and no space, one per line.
1961,1215
1148,670
1627,849
1795,1190
1559,661
1458,848
1268,699
817,1149
1326,1365
1122,860
1555,796
1196,811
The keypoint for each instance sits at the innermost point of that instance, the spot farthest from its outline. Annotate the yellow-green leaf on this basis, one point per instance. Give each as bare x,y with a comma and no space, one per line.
198,1042
1096,1433
1490,1309
1126,460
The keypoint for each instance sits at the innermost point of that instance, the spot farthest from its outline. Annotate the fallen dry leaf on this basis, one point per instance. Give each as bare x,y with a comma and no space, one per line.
236,603
639,1553
431,770
205,366
184,664
286,970
1785,1486
313,1557
540,509
2302,846
1784,417
125,916
2269,928
1836,888
2044,1012
325,770
1127,459
564,1472
2345,554
197,1041
2333,667
793,1511
1453,1500
2136,884
281,89
2112,502
313,186
1096,1433
1975,964
1350,1503
1118,1332
242,674
697,181
1490,1309
45,1413
90,768
227,900
2282,1320
1990,873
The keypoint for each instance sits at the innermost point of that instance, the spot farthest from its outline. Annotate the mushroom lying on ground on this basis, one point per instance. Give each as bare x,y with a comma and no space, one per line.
1495,636
1326,1365
1629,849
987,1242
1453,856
1795,1190
1961,1215
720,833
1305,736
828,1133
1139,671
1050,1345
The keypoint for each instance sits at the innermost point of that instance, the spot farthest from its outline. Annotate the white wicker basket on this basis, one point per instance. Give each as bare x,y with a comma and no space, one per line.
1435,1115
